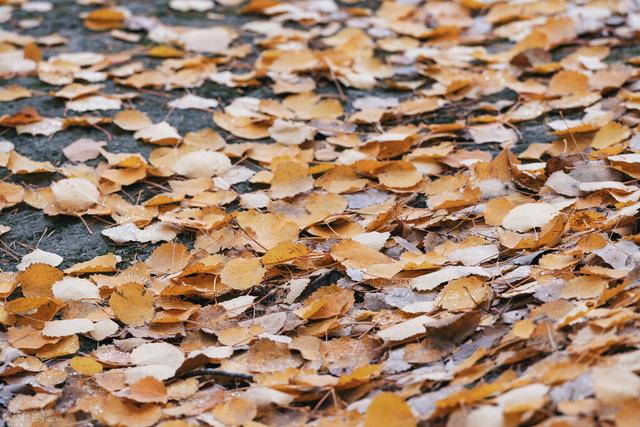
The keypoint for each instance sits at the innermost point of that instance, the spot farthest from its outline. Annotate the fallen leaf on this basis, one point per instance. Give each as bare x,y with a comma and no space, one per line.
63,328
85,366
131,304
147,390
388,409
75,194
242,273
528,216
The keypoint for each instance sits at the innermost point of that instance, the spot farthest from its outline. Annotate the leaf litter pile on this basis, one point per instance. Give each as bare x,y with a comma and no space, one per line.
364,232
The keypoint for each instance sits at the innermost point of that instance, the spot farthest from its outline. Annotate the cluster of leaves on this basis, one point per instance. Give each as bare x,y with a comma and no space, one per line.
351,264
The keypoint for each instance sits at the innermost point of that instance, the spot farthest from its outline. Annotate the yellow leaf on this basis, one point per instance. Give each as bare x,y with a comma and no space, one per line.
523,328
610,134
464,294
284,251
387,409
24,305
242,273
37,280
236,411
164,51
101,264
360,375
131,304
64,347
85,365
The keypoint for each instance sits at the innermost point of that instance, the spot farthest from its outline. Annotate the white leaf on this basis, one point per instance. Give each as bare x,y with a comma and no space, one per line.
46,127
528,396
234,175
158,133
15,62
193,102
236,306
64,328
75,289
256,200
83,149
159,372
154,233
81,58
39,256
494,132
588,187
94,102
406,329
562,183
187,5
296,287
160,353
373,240
614,384
419,307
263,396
75,194
485,416
104,329
202,164
431,281
214,352
374,102
291,133
207,40
529,215
475,255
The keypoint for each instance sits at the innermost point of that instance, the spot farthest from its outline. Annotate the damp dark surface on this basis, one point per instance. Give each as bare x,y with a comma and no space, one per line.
77,240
